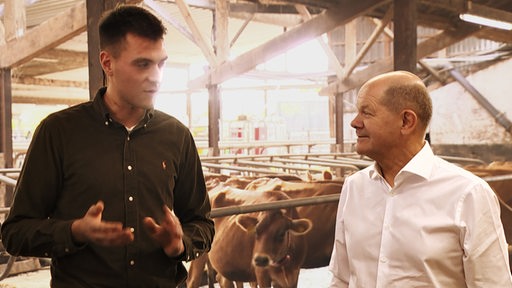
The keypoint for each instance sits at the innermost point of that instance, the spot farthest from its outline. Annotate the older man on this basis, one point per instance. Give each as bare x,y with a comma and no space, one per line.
413,219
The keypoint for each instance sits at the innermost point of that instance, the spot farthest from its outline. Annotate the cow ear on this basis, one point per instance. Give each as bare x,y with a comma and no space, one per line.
247,223
301,226
327,175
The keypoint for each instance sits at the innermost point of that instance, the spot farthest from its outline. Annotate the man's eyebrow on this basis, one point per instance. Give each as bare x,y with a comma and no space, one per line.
144,59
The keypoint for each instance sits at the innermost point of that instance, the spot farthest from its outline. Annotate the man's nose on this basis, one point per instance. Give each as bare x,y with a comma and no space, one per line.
355,123
156,74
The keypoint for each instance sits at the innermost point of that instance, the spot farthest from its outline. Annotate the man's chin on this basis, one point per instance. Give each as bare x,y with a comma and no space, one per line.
360,149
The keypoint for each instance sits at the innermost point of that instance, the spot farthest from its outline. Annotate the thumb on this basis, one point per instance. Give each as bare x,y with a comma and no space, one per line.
96,209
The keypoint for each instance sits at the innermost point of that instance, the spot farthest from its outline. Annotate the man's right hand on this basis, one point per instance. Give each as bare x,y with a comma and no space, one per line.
91,229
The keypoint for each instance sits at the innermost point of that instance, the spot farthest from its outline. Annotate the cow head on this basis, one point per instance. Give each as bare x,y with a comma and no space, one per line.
275,234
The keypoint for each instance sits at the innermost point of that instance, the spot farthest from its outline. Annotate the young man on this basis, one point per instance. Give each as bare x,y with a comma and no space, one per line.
112,190
413,219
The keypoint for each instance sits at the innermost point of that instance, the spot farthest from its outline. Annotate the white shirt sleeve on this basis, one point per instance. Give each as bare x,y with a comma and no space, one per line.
339,265
485,260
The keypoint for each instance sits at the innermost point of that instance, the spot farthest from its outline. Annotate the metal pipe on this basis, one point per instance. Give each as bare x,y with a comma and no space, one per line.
498,116
7,180
234,210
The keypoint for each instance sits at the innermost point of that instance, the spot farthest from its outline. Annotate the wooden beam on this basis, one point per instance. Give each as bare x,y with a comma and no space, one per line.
350,42
489,12
45,36
349,68
454,5
405,30
425,48
20,99
330,19
170,19
52,61
200,40
333,60
240,30
15,19
221,30
494,34
49,82
445,39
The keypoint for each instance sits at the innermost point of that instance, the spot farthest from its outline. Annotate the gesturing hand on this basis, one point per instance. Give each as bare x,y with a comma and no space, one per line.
91,229
168,234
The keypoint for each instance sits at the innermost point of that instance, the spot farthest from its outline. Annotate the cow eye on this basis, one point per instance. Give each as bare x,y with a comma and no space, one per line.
280,236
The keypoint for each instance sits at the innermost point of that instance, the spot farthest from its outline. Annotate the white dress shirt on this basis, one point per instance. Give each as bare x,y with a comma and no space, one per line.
438,227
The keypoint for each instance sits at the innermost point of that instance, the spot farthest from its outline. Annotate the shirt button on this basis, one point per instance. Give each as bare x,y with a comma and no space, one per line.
130,167
383,259
132,229
130,198
132,262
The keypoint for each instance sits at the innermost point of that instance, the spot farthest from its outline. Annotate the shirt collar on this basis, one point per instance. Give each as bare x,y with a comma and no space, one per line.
421,165
102,110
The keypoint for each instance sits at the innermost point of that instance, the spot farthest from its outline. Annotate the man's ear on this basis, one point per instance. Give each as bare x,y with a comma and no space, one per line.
409,121
106,62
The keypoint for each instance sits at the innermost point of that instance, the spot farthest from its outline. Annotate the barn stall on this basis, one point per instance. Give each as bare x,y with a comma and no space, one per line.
302,125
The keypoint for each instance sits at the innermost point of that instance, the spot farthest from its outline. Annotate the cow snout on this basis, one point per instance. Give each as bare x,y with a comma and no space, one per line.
261,260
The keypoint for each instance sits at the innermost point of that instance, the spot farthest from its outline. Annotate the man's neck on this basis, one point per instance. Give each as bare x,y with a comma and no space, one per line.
125,114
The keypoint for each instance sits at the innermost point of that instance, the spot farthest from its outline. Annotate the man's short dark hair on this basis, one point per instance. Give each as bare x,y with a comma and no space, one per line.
124,19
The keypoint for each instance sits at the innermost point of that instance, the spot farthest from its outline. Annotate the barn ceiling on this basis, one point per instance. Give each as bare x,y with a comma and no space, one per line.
256,29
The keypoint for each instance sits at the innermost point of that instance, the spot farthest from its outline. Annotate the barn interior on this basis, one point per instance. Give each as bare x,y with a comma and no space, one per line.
49,52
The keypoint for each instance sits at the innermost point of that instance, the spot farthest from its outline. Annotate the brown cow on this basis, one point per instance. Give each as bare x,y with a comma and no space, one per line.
323,216
264,247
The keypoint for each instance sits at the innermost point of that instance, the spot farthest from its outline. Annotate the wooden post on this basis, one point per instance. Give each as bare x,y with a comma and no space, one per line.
338,104
405,41
95,10
213,120
6,127
221,49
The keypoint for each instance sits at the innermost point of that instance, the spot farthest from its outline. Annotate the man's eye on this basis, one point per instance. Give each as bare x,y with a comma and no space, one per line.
143,64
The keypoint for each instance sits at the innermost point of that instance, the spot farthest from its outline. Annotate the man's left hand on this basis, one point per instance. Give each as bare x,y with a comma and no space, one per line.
168,234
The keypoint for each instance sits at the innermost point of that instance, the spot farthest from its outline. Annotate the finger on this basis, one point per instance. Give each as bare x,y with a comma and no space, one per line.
115,238
150,225
108,227
170,217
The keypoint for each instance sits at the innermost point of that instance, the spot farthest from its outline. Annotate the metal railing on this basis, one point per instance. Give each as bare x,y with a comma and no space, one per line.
253,163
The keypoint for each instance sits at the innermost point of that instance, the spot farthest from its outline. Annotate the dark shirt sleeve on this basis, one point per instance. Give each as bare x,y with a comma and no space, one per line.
29,229
192,205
